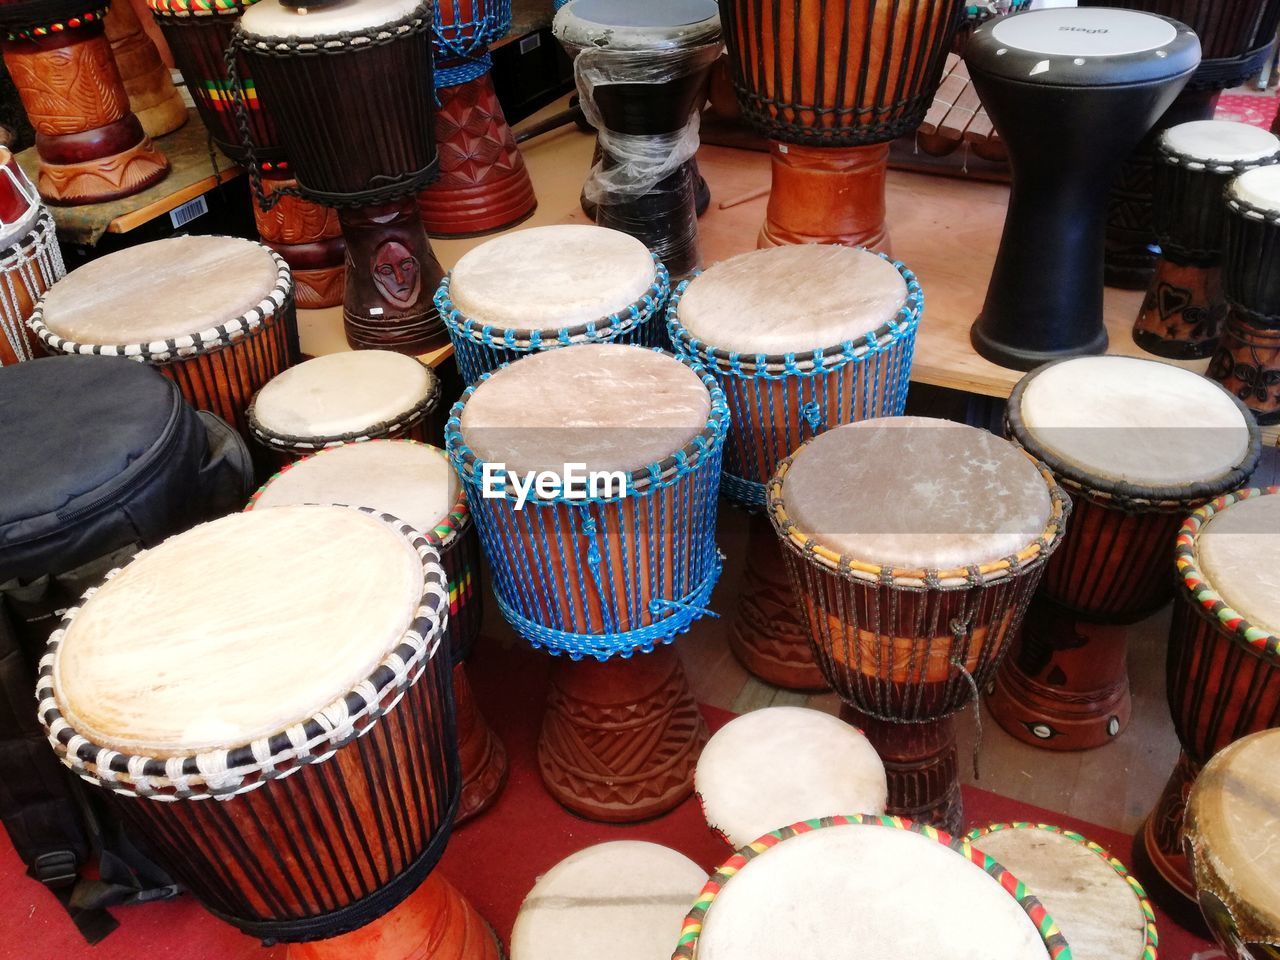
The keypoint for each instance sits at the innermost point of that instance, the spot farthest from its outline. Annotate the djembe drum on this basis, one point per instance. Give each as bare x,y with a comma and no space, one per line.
284,744
801,338
1101,910
547,287
349,88
606,560
92,148
962,902
1236,41
781,765
1223,669
414,481
1184,309
153,98
1071,92
214,314
624,900
344,398
30,259
1138,444
641,71
306,234
484,185
1231,844
831,84
914,546
1247,361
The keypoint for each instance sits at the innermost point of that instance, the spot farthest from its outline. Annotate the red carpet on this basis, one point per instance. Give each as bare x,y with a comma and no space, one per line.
1257,111
493,860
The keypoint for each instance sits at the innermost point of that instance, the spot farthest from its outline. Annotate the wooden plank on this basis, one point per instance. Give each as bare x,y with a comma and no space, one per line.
954,81
158,208
958,118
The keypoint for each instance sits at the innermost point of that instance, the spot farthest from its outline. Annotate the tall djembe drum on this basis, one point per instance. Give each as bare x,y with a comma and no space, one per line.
147,81
92,148
283,743
801,339
607,560
349,88
641,70
1071,92
832,84
914,546
30,259
1223,670
484,185
1138,444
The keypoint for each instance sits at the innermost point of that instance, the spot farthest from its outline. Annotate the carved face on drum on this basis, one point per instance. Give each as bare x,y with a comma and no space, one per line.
397,273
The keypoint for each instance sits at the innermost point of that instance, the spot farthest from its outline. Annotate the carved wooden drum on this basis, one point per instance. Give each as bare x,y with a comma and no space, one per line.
831,84
607,559
1138,444
415,482
285,743
1101,910
796,892
546,287
1223,673
343,398
1185,307
1230,830
624,900
776,766
914,546
154,99
214,314
30,260
1247,361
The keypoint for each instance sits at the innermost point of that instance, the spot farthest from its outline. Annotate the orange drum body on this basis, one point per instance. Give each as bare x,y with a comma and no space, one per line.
832,84
152,96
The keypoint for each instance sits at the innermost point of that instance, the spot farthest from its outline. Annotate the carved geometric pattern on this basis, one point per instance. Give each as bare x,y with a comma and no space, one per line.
69,89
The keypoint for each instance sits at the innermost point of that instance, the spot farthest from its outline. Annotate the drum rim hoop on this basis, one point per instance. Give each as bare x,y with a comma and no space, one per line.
1248,211
1151,935
1028,559
700,33
187,345
815,362
650,478
289,443
230,771
446,531
41,237
1118,494
640,311
421,19
691,930
1217,167
95,12
1200,592
174,9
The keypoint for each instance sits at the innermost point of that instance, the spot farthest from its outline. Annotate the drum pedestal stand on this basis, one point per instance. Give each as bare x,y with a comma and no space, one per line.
484,185
435,922
621,738
482,755
922,765
827,195
392,275
1183,313
309,237
92,148
1063,685
769,636
1247,363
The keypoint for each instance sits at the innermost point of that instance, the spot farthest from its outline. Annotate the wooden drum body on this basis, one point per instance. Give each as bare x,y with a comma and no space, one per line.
92,147
832,86
152,96
608,576
1223,672
30,260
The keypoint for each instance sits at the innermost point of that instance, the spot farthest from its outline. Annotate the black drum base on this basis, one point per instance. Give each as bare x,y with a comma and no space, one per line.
1017,358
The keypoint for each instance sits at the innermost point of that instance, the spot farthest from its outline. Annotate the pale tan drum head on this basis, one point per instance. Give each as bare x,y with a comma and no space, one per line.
1137,422
791,299
342,393
608,406
271,18
774,767
236,630
1259,187
1238,551
624,900
547,278
413,482
916,493
861,892
1095,907
1219,142
160,290
1233,825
